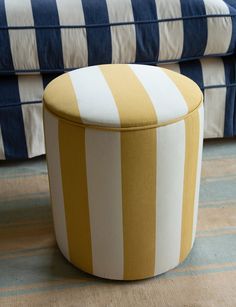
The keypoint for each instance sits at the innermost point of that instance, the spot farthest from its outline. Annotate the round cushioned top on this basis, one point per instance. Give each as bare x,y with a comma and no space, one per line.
122,96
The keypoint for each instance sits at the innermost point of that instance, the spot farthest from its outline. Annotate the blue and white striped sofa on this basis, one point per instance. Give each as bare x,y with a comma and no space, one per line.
40,39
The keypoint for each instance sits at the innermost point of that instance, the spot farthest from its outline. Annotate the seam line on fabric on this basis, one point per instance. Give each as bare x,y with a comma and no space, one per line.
125,129
114,24
156,62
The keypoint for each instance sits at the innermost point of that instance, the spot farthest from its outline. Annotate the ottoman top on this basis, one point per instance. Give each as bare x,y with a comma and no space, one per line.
122,96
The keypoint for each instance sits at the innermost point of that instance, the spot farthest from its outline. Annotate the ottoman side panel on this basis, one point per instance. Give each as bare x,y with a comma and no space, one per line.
170,183
51,125
138,156
103,166
75,191
179,152
199,167
192,144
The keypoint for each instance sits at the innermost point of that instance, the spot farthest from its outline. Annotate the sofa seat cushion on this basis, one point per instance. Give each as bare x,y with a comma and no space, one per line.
59,35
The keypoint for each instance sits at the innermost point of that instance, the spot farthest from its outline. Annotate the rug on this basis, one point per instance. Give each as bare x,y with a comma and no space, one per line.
33,272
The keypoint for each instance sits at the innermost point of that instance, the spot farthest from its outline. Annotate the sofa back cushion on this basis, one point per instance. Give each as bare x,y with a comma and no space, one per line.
59,35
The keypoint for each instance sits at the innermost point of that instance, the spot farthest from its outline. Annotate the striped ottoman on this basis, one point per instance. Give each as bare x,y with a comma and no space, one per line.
124,145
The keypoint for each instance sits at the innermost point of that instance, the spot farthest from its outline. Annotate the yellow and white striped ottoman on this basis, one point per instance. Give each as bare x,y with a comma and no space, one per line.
124,145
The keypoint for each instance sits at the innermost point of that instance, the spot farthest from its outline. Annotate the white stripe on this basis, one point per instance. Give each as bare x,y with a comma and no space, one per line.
213,71
169,106
170,46
214,106
199,167
23,42
219,29
92,90
54,168
74,41
31,89
123,37
214,99
103,160
170,182
174,67
33,126
2,152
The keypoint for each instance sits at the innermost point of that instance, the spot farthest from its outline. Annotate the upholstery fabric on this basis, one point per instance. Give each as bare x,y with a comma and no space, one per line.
21,125
124,207
122,96
50,32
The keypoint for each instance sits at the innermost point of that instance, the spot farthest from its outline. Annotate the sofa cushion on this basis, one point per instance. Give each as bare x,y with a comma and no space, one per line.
60,35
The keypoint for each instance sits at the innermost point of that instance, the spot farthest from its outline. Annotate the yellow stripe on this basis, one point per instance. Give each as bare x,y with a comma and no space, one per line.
138,156
74,180
127,90
192,130
59,97
189,89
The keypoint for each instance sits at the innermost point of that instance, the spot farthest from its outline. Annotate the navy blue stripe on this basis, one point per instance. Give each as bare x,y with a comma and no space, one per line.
48,78
48,40
98,39
232,8
6,62
147,35
235,119
193,70
9,90
195,30
230,108
11,120
232,5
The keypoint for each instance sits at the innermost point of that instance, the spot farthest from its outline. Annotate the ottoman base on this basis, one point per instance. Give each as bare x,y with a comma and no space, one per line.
104,276
124,203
